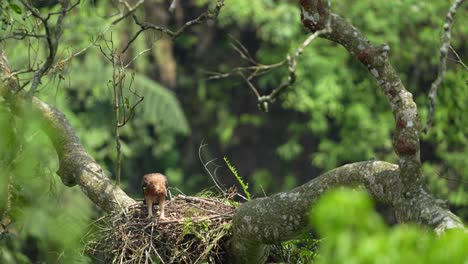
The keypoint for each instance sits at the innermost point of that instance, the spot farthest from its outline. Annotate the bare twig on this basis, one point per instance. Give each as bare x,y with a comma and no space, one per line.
205,166
52,38
444,49
207,15
198,199
458,60
117,78
136,57
258,69
123,111
20,35
130,10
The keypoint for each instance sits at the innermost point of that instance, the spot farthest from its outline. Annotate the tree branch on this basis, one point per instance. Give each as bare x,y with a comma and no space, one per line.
76,166
375,59
207,15
444,50
283,216
129,10
257,69
52,38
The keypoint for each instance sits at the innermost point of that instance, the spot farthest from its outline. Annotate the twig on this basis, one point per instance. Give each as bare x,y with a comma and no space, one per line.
152,247
209,247
22,35
122,114
256,69
117,78
210,211
207,15
196,219
459,60
136,57
130,11
205,166
52,38
196,199
443,61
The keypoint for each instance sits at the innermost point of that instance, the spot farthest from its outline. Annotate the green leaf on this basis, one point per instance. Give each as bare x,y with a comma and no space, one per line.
16,8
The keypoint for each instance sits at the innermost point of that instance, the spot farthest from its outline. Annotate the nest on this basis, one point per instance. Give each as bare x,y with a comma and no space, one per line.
195,231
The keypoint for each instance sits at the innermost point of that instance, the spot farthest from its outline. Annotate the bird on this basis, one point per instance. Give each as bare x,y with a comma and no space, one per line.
155,191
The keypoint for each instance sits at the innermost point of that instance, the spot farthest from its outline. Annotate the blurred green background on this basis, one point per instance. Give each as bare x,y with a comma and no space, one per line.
354,233
335,113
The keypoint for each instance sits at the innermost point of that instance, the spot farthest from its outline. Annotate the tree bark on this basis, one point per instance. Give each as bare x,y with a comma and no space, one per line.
283,216
375,59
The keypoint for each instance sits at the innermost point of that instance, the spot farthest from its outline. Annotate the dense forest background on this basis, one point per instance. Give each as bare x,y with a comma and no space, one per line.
333,115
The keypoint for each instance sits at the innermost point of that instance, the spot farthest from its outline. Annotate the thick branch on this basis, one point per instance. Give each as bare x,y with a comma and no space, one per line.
76,166
375,59
284,216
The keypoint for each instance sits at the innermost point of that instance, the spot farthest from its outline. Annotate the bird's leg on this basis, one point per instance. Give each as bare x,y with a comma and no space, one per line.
162,205
149,204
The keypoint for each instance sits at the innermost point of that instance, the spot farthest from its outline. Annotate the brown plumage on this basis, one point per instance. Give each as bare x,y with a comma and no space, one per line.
155,191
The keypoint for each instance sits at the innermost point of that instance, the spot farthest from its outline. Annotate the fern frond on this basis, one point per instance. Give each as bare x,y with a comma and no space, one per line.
160,106
245,187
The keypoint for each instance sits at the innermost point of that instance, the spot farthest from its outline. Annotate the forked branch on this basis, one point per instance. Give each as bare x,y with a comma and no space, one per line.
256,69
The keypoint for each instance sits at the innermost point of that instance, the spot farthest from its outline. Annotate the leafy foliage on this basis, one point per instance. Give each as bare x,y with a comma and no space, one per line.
354,233
42,220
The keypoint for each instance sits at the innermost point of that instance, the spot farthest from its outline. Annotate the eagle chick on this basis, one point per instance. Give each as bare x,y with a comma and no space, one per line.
155,191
